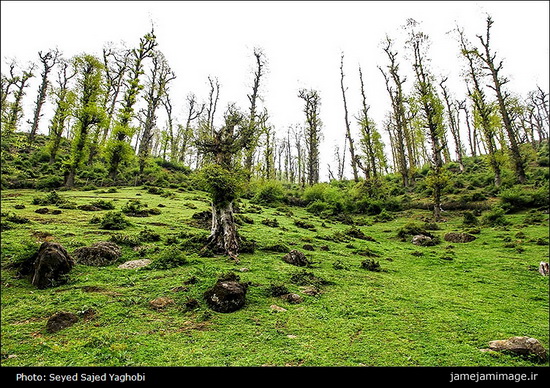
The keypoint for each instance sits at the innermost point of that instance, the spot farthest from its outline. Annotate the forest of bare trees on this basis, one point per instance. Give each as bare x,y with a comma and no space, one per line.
116,110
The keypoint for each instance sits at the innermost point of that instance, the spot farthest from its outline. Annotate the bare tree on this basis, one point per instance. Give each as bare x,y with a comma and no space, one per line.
186,132
371,143
157,87
452,111
312,132
64,99
498,82
394,86
212,102
483,110
432,111
348,131
116,63
251,134
118,148
48,60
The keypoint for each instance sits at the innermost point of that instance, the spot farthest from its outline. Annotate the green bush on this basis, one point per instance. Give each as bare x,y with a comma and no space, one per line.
148,235
315,193
49,182
135,208
384,216
102,204
113,221
125,239
269,192
52,198
520,197
470,219
495,217
317,207
371,265
170,257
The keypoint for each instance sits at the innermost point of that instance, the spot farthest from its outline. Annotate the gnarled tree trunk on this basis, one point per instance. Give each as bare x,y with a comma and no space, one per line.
223,234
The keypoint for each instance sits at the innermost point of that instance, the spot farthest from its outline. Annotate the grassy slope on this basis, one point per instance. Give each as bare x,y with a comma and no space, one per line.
422,309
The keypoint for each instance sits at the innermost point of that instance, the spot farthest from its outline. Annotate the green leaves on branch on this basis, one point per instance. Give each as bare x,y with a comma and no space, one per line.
224,186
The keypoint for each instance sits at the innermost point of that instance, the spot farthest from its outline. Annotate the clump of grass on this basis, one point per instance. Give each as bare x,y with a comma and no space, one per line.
111,221
136,208
104,205
383,216
274,223
371,265
495,217
17,219
277,290
469,219
125,239
169,257
305,278
412,229
148,235
52,198
304,225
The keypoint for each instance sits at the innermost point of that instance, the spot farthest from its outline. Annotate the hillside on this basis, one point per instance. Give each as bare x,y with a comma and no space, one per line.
369,296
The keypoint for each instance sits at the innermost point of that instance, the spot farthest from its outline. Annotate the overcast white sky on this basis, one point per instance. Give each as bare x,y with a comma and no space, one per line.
302,42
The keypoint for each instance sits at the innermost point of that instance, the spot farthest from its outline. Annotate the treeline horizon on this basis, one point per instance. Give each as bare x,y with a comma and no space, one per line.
105,112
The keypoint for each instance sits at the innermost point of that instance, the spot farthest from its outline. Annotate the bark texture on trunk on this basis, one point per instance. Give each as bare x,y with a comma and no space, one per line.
223,235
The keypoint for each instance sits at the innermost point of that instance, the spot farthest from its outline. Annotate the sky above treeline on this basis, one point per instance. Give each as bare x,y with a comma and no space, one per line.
302,42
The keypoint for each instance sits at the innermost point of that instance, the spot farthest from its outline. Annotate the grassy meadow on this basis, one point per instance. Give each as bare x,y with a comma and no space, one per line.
420,306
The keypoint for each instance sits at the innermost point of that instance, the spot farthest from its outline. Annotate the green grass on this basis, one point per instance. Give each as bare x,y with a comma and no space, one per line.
429,306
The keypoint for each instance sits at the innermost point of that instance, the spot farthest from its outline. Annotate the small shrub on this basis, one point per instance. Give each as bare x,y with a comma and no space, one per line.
317,207
371,265
269,193
49,182
339,265
104,205
534,219
305,278
17,219
304,225
148,235
135,208
113,221
170,257
412,229
277,290
495,217
282,248
384,216
274,223
519,197
52,198
242,219
247,245
125,239
470,219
